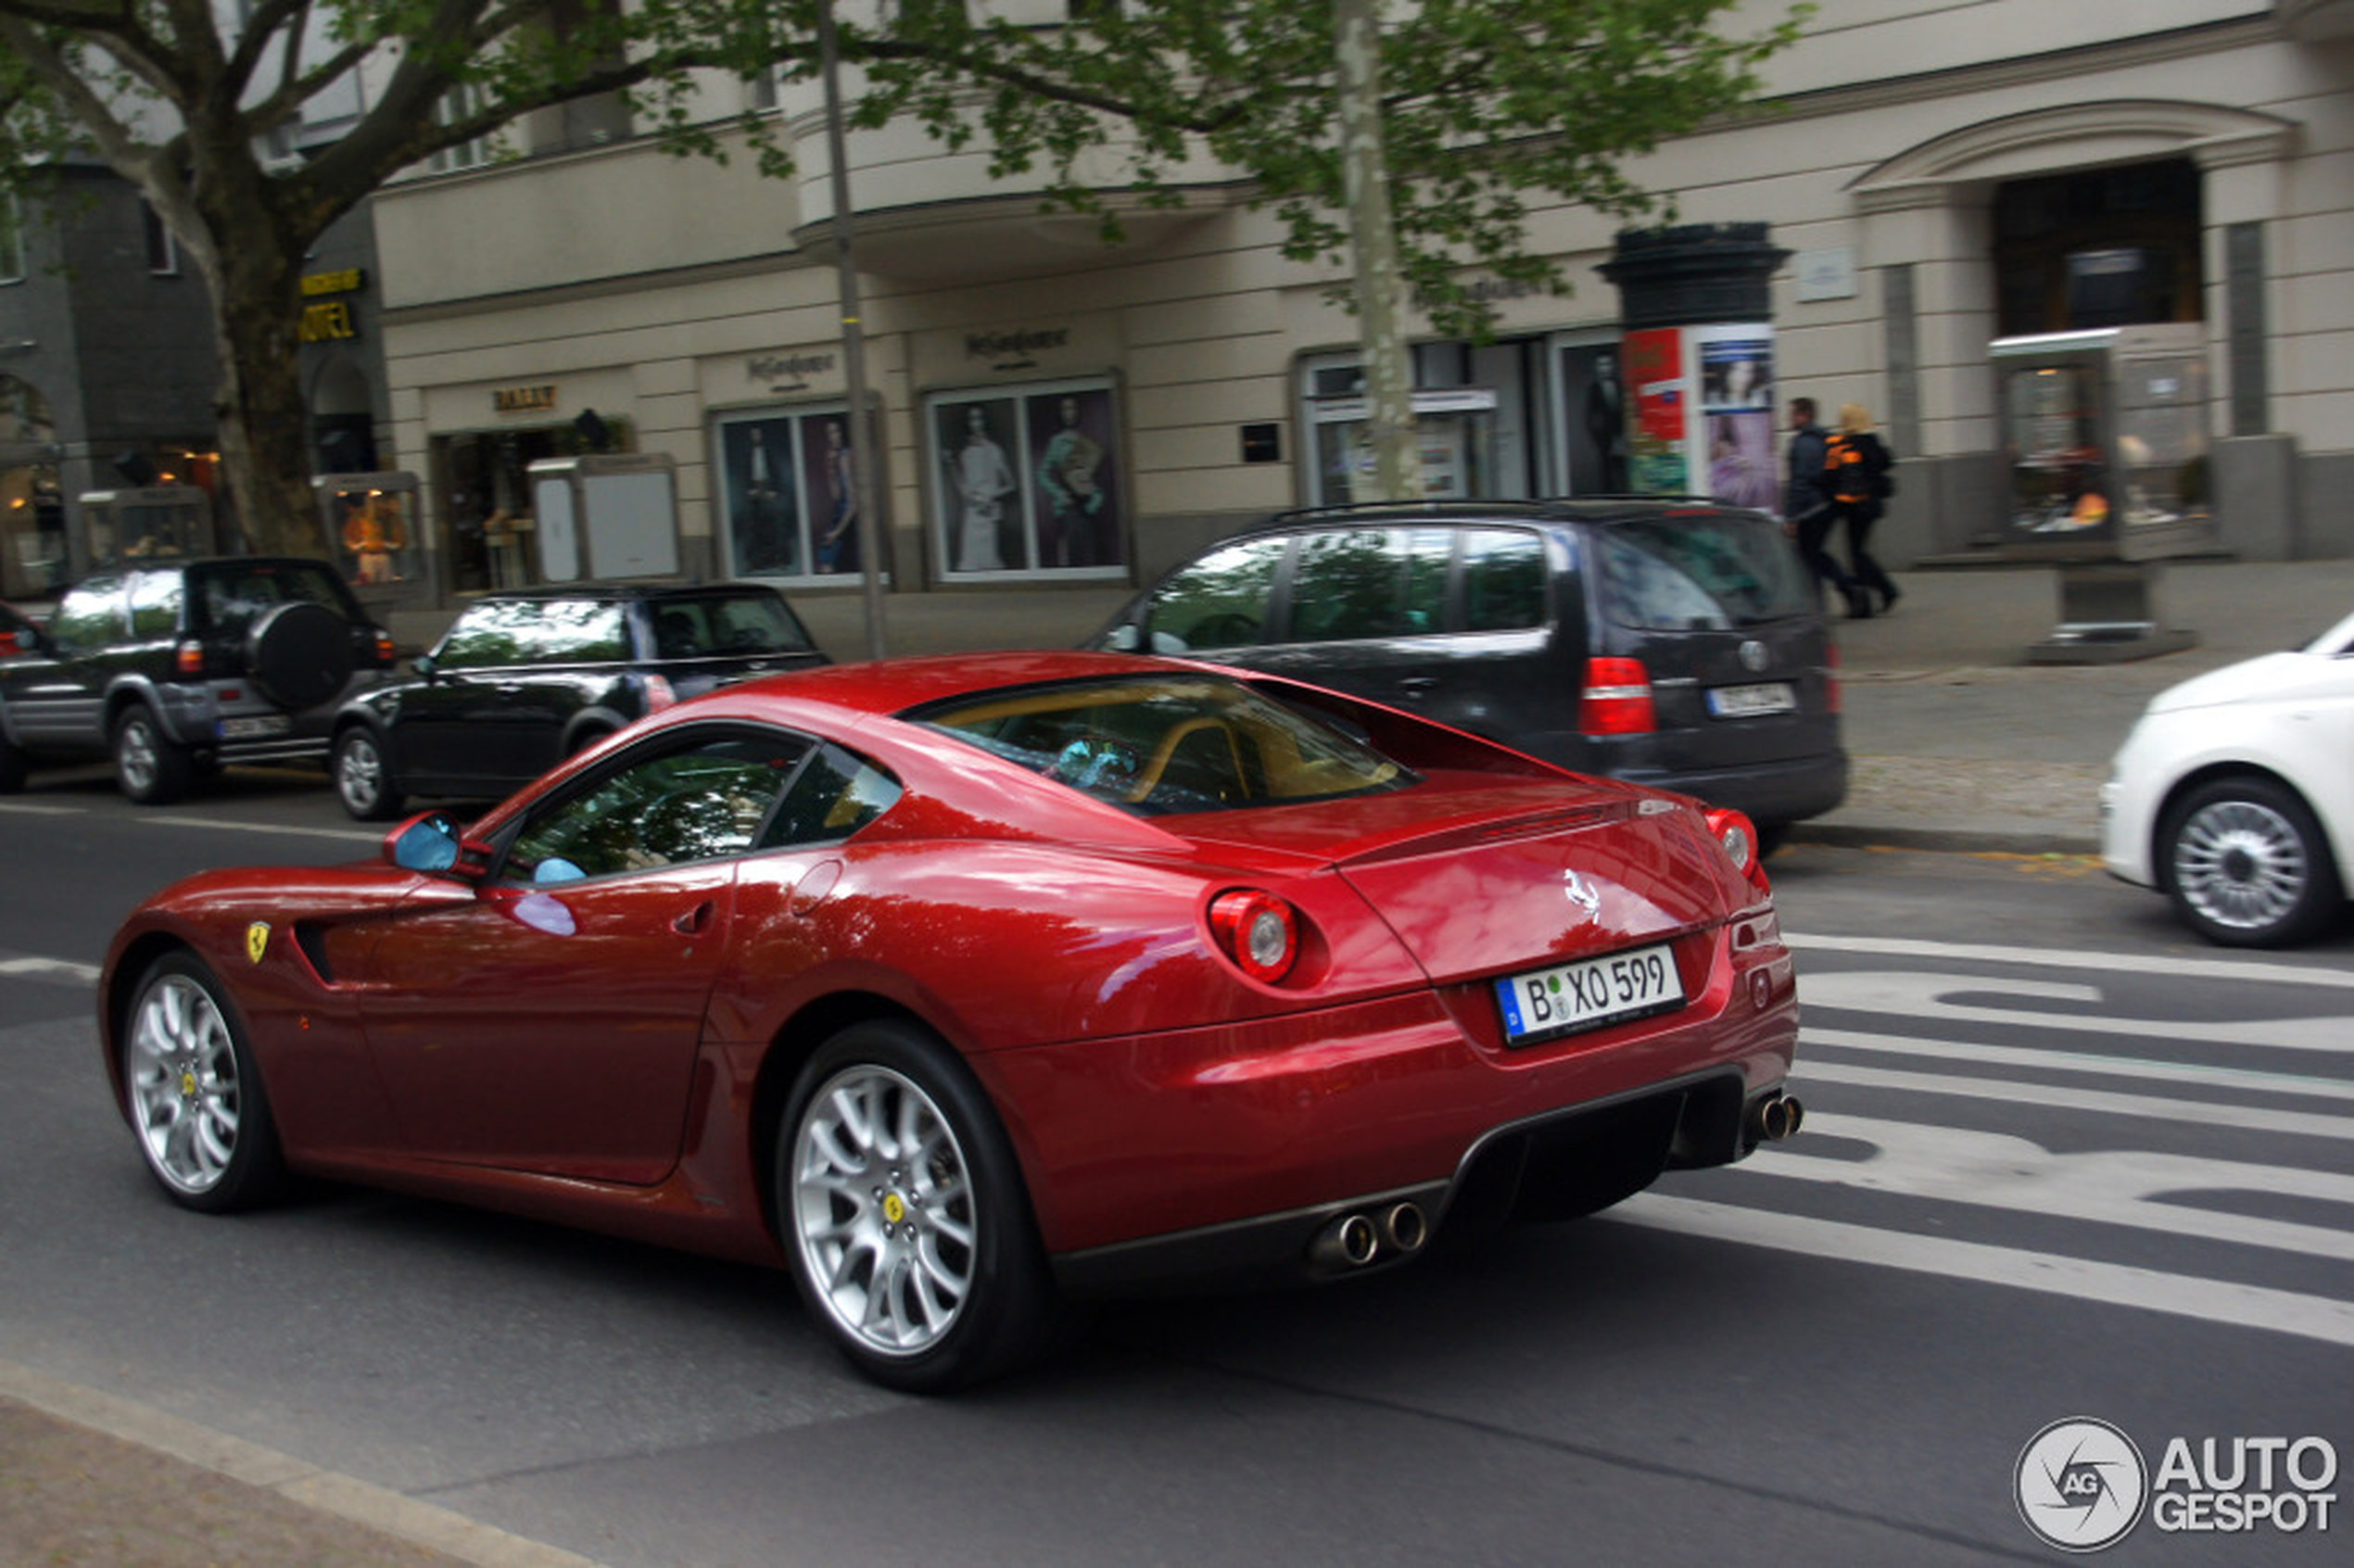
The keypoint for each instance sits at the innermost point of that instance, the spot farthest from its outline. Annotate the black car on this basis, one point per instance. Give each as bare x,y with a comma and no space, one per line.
174,669
524,679
1675,642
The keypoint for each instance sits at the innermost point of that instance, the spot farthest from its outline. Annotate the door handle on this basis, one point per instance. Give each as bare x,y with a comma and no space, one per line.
695,921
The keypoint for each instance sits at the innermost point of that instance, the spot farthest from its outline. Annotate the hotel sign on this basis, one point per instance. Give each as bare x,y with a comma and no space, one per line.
325,320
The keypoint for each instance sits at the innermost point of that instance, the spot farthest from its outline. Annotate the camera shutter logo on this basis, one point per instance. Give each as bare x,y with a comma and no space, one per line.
2080,1484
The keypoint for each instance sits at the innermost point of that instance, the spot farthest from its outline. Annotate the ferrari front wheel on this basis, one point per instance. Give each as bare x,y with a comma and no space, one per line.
905,1216
192,1092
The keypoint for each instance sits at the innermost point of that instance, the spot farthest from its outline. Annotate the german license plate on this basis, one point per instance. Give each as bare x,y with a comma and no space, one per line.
250,729
1746,702
1562,999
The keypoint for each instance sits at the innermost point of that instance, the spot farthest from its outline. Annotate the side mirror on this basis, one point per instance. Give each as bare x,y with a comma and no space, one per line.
1121,638
423,665
432,842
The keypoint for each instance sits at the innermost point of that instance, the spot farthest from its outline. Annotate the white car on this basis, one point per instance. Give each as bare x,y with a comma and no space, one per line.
2234,795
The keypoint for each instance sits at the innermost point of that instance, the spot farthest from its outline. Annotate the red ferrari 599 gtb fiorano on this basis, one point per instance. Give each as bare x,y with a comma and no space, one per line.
962,986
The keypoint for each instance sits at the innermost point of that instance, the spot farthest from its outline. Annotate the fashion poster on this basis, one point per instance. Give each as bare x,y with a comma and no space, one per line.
757,490
831,488
1077,500
980,497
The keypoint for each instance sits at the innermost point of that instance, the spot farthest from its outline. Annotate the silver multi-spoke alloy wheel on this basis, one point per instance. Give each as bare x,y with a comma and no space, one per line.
2241,864
884,1210
2247,864
184,1084
362,781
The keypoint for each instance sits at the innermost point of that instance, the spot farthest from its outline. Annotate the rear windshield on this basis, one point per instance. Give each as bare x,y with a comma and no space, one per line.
230,598
1700,572
691,628
1160,745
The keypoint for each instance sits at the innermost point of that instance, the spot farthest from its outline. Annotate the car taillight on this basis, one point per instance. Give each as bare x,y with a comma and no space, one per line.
659,694
1738,836
386,654
1617,700
1258,931
188,659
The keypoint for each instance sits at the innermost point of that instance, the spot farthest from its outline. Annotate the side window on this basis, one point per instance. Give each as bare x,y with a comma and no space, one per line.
1219,601
577,631
705,799
90,617
833,798
489,636
1369,582
155,604
1503,579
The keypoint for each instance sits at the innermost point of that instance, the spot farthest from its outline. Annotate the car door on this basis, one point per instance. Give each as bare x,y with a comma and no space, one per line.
1365,610
57,699
547,1019
490,712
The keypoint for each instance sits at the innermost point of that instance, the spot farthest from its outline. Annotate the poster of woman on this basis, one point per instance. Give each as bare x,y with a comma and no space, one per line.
1076,501
827,481
978,516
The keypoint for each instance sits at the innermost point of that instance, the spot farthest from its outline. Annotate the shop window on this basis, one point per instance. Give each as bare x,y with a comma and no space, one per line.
2098,248
787,491
1028,480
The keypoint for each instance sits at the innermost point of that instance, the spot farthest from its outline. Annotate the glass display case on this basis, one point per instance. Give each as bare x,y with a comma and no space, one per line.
2105,434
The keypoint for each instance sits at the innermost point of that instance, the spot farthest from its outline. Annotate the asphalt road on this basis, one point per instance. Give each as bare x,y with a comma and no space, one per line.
2060,1162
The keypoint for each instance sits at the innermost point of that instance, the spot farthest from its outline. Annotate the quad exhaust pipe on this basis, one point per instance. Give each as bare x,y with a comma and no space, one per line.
1354,1241
1774,1118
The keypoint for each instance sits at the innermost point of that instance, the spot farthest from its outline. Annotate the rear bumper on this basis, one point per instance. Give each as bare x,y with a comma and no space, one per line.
1223,1150
1765,792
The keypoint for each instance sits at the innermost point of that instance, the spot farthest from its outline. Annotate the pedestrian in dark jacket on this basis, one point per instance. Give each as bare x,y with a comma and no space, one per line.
1855,463
1807,509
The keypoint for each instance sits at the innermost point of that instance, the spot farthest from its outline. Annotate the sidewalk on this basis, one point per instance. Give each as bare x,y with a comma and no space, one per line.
1957,743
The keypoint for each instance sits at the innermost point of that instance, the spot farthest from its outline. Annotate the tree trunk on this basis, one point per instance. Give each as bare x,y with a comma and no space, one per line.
1373,239
265,445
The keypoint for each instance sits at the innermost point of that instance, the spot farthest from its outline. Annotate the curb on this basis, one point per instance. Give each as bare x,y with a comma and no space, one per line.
327,1492
1960,841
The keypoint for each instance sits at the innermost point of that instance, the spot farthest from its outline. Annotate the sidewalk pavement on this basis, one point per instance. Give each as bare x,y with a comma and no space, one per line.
1957,743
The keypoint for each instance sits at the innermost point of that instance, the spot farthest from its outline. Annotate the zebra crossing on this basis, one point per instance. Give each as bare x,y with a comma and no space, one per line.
2122,1115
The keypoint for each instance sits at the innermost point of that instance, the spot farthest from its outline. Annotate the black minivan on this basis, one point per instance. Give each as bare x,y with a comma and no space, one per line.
1671,642
526,678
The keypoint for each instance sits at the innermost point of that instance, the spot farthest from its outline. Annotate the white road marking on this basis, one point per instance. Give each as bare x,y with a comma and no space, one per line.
347,835
2106,1186
64,968
2054,958
27,808
2117,1284
2203,1113
2252,1079
1920,994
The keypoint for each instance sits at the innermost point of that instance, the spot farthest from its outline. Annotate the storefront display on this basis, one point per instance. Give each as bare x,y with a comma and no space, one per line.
1028,480
787,506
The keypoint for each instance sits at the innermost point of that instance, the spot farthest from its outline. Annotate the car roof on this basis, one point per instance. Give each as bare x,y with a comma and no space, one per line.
894,686
619,593
1582,509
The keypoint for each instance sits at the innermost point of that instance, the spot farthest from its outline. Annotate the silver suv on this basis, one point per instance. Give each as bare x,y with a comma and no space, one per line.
1672,642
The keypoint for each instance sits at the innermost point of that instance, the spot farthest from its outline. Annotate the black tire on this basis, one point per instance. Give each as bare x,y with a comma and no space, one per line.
149,767
191,1091
2246,865
363,776
300,654
13,768
921,1264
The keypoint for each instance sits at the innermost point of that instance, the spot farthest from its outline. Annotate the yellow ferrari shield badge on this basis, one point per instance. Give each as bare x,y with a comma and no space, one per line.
257,940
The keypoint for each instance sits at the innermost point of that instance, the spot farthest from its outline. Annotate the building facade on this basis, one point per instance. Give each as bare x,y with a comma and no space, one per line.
1941,183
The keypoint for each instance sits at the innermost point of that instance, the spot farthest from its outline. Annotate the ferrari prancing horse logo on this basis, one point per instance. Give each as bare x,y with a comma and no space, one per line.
257,940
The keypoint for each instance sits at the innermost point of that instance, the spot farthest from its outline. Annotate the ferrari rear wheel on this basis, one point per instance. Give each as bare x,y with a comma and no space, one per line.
194,1097
905,1216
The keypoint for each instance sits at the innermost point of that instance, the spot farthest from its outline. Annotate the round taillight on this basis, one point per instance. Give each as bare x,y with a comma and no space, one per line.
1258,931
1738,836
